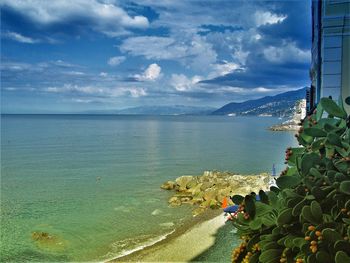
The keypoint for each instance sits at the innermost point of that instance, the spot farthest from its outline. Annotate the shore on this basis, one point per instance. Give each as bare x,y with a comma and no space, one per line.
205,236
185,244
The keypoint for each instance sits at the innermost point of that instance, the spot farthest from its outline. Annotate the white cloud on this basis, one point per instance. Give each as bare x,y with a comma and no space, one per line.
188,48
182,83
150,47
75,73
288,52
92,91
114,61
267,18
152,73
20,38
103,74
103,17
223,69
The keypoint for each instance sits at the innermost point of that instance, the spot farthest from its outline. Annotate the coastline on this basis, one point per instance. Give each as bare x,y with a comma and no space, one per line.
181,245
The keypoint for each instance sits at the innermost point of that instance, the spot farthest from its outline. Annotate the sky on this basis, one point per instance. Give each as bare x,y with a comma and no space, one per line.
83,55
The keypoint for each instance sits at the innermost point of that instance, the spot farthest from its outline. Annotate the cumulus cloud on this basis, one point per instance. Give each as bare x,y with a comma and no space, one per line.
187,48
222,69
101,16
114,61
20,38
180,82
103,74
288,52
151,73
267,18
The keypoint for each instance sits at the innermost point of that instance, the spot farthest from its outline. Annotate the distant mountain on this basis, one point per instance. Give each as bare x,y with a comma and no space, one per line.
278,105
167,110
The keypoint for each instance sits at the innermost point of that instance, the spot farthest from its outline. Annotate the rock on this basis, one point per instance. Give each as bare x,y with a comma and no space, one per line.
205,204
182,182
210,194
156,212
198,211
41,236
169,185
49,242
174,201
209,190
185,199
195,190
195,201
213,204
193,183
205,185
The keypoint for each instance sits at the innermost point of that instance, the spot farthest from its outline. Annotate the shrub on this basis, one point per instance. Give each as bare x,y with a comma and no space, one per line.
307,217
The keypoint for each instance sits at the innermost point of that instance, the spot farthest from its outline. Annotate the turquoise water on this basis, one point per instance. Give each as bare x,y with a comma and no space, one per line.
92,182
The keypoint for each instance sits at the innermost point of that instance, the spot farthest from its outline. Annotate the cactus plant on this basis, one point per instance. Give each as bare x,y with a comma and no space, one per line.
307,217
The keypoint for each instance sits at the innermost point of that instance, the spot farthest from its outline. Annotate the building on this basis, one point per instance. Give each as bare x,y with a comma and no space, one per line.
330,66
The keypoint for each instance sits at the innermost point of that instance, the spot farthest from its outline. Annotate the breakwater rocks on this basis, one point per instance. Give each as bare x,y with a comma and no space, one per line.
210,189
285,127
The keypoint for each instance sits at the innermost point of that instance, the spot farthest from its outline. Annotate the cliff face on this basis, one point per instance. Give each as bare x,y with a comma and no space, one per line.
210,189
293,124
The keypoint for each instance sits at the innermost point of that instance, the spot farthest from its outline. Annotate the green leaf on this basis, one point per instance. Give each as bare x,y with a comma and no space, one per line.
254,258
323,257
306,213
262,209
316,210
315,132
341,257
342,245
299,242
255,224
345,187
297,209
237,199
308,161
331,235
332,108
263,197
285,217
334,139
269,220
287,181
270,255
249,202
319,112
315,172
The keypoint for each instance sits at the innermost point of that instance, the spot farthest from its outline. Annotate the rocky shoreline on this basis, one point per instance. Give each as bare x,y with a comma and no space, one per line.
285,127
210,189
294,123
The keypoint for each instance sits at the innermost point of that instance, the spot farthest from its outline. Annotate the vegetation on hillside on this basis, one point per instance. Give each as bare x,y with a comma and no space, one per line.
307,217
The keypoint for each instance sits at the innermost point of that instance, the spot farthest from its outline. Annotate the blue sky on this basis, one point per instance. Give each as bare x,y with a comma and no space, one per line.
82,55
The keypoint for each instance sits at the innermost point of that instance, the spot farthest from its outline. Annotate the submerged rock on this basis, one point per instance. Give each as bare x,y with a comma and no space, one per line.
41,236
169,185
174,201
48,241
156,212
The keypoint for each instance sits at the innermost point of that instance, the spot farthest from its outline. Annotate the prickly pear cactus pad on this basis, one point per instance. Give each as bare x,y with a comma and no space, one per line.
307,217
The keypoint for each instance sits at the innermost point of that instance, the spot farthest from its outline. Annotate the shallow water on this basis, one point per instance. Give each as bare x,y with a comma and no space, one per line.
92,182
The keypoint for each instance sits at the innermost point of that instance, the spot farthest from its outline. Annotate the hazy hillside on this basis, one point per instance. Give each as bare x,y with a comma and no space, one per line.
278,105
167,110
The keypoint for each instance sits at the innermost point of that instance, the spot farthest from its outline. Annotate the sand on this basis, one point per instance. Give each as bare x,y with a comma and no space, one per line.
180,247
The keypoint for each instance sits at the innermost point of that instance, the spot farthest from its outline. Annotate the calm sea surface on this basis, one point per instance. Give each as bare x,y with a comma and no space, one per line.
92,182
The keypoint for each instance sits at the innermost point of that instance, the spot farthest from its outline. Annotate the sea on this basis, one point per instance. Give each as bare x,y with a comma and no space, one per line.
92,181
